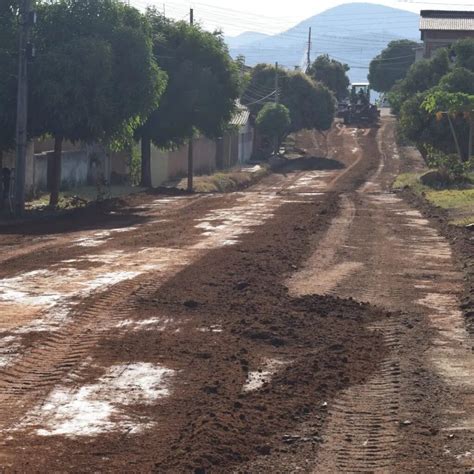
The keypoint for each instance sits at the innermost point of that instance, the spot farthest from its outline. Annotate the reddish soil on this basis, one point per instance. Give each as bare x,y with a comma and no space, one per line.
299,320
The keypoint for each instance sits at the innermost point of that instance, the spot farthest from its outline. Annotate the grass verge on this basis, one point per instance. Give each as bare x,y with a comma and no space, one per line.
80,197
226,182
458,202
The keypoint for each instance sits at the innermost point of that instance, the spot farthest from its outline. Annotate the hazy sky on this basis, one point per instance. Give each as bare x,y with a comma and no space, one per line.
269,16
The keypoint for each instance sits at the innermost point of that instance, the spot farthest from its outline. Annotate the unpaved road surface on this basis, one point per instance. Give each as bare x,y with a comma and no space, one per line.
308,324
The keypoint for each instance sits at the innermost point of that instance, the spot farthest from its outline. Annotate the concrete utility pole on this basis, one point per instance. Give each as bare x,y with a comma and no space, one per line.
277,92
309,50
191,144
26,21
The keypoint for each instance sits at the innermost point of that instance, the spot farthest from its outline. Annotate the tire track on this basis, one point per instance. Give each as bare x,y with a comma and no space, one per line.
362,429
29,381
60,355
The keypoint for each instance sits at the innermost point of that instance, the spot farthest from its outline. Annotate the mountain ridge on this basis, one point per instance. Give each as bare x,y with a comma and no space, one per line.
353,33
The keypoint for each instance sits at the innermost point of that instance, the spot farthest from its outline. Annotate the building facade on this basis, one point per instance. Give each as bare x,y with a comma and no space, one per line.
441,28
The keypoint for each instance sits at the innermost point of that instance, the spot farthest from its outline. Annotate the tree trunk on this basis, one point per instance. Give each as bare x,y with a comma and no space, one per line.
423,152
190,165
470,150
456,141
145,180
56,174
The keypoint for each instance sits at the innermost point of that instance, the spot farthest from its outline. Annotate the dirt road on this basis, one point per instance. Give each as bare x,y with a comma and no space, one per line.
310,323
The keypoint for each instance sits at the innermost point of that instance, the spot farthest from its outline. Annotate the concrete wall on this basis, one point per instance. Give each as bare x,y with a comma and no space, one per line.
246,138
168,165
75,170
86,164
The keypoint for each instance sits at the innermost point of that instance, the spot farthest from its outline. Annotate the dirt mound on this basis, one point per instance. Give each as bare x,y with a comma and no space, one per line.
311,163
262,362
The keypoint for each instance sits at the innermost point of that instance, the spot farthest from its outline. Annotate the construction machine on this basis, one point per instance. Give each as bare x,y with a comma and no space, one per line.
360,110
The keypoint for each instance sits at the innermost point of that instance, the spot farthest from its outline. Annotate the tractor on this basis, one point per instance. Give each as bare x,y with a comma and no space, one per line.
360,110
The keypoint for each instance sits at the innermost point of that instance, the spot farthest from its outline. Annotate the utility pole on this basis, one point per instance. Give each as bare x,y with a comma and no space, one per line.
309,50
26,21
277,86
191,144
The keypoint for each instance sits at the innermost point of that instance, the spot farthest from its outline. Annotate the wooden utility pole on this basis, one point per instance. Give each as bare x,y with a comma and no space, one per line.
190,164
191,144
277,85
308,59
22,106
470,153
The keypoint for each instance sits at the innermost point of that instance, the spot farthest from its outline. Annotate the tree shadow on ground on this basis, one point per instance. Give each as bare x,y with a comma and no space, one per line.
309,163
110,215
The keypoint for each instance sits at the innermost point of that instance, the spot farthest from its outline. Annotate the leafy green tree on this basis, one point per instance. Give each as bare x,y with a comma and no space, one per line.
311,104
453,105
421,76
202,89
331,73
273,122
464,53
421,128
8,75
261,87
391,65
458,80
95,78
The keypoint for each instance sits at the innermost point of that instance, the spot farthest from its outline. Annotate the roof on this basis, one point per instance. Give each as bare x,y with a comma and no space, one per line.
241,115
447,20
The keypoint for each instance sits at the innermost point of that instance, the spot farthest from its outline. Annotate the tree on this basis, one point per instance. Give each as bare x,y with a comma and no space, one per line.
452,105
95,78
202,89
311,104
273,122
458,80
464,53
261,87
391,65
331,73
421,76
421,128
8,75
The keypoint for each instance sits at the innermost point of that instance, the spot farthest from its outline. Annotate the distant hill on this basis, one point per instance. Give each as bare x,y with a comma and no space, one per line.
353,33
245,39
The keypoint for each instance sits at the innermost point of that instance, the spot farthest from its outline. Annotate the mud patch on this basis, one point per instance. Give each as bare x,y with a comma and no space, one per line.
97,408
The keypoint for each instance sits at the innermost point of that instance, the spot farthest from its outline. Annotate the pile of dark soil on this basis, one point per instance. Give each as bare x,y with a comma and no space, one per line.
309,163
321,346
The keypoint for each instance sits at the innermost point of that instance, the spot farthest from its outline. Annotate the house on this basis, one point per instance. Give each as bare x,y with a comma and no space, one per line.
441,28
245,132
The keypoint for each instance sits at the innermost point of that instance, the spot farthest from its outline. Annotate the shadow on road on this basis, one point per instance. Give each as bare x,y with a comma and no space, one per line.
309,163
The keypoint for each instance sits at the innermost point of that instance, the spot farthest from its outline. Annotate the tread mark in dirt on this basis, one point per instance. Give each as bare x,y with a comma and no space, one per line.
361,435
31,379
28,381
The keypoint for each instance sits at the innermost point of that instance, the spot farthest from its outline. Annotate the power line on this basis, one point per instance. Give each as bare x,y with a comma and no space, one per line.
262,99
